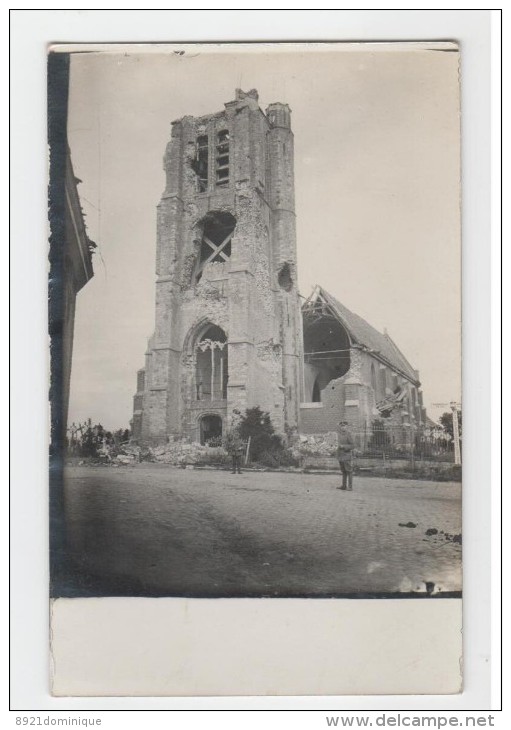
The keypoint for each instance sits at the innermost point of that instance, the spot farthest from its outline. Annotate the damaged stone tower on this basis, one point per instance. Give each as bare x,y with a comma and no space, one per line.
228,330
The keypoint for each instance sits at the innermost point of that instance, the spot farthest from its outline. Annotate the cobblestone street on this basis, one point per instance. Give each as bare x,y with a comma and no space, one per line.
169,531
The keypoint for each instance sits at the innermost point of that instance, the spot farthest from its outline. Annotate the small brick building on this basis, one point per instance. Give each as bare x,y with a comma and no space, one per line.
230,329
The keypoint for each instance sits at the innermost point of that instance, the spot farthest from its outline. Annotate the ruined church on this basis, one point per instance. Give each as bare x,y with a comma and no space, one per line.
231,329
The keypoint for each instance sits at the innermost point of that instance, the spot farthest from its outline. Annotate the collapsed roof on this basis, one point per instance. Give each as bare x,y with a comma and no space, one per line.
360,332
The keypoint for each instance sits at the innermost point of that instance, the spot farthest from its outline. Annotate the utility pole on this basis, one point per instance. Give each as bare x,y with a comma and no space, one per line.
455,427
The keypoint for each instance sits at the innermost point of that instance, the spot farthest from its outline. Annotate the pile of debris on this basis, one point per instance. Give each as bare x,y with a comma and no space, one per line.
129,453
321,444
177,453
117,454
182,453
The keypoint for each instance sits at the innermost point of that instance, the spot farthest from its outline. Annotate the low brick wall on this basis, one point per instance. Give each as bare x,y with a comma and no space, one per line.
315,418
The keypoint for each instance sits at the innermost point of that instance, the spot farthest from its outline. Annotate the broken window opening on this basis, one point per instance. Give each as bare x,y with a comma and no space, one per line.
383,380
202,163
211,365
373,379
327,354
216,239
285,279
390,402
222,159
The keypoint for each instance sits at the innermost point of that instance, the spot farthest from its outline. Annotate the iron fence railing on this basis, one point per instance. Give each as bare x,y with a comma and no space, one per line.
404,442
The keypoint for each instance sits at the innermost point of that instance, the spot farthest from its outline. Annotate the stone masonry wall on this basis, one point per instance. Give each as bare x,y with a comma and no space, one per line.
242,296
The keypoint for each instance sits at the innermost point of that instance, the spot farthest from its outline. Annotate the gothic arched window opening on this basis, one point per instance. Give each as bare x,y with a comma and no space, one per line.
211,365
316,392
216,238
383,381
373,379
202,163
326,356
285,279
222,159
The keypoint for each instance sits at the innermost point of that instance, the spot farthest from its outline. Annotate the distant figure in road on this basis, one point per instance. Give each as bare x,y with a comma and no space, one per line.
345,446
238,449
234,443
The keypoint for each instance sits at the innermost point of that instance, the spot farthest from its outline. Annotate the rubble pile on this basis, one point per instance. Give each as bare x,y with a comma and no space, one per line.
321,444
181,453
131,454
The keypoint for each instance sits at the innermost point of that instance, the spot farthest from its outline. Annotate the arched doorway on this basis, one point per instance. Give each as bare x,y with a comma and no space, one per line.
210,427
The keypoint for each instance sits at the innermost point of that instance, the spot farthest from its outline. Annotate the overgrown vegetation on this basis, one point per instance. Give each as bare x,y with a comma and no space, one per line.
266,447
90,441
446,421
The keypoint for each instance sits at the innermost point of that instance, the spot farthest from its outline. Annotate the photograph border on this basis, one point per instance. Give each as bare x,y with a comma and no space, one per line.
475,68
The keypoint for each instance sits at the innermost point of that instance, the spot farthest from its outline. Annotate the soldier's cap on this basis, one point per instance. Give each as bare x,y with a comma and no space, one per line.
343,423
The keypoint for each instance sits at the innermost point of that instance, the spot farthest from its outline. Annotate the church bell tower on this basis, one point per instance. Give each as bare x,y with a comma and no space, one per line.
228,328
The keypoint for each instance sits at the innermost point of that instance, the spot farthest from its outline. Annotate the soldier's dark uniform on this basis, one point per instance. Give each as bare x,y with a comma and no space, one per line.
237,450
345,446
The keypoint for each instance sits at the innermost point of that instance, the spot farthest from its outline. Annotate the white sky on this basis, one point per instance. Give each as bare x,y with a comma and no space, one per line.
377,195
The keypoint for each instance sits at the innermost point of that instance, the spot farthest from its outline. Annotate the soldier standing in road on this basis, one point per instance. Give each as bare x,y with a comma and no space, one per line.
234,443
237,450
345,446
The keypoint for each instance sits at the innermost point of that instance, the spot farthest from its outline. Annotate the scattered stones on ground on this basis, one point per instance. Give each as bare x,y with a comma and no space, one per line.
407,524
453,538
125,458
